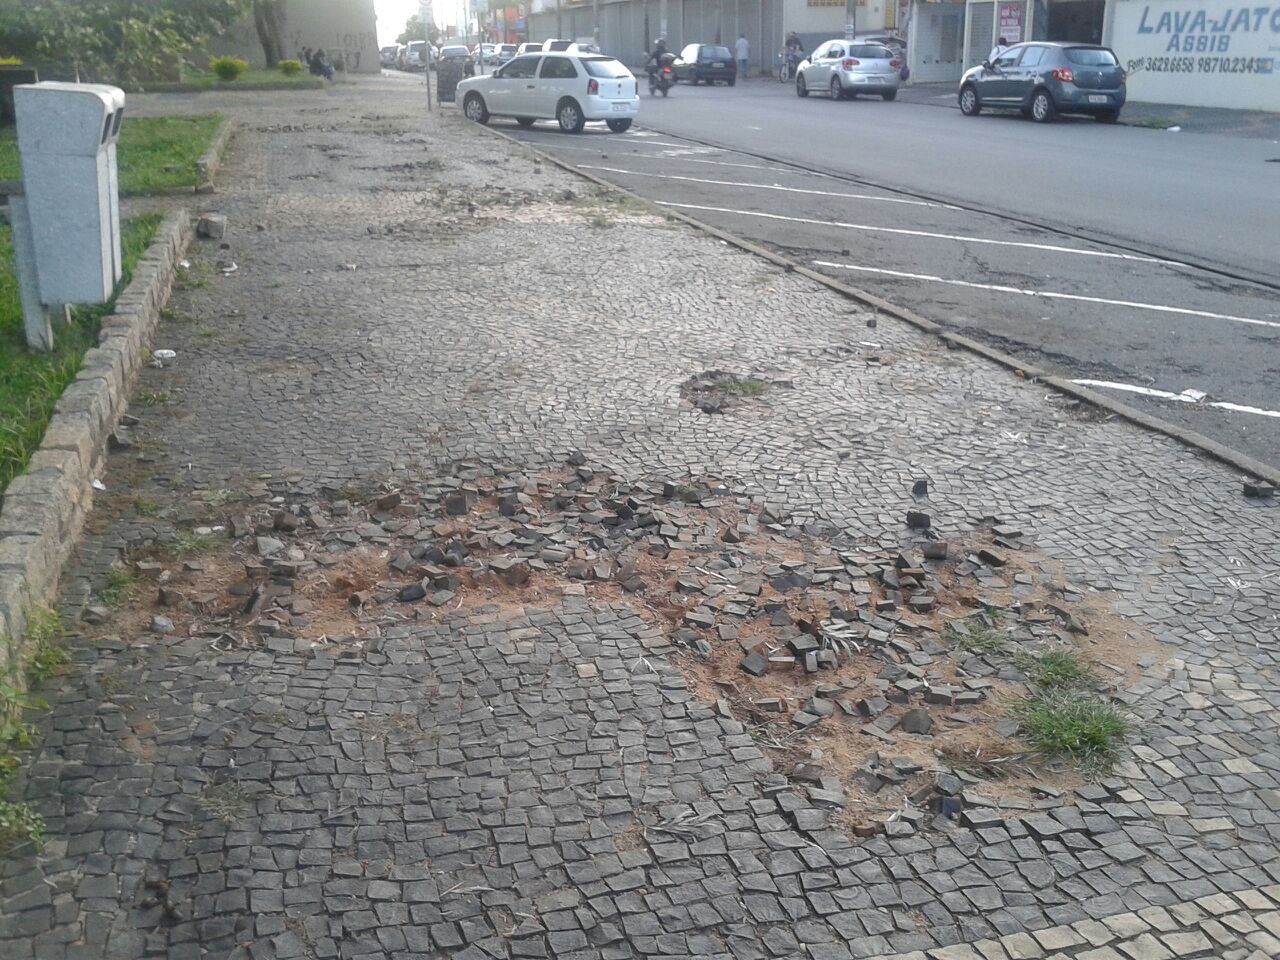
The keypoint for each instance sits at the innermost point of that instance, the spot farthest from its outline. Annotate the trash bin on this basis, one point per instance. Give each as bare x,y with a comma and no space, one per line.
67,134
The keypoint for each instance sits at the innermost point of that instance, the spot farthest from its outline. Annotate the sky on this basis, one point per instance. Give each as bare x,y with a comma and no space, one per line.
393,13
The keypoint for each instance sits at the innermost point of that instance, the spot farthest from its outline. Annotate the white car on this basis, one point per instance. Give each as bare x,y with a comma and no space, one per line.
571,88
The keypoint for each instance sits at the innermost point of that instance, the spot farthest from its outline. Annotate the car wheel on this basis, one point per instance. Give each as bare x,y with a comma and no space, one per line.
970,106
1042,109
525,122
1108,116
473,108
837,91
891,95
569,114
801,89
619,126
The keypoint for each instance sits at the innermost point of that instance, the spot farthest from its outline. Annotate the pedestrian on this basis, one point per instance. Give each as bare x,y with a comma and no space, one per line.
308,60
743,51
998,50
323,67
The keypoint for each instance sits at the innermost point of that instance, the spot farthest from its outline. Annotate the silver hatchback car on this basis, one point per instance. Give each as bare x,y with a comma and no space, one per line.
846,68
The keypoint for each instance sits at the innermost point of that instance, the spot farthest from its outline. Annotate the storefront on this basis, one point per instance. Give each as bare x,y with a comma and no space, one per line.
1208,53
935,40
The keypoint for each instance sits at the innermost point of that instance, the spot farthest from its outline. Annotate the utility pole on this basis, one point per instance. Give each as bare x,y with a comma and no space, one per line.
595,19
850,18
662,19
559,20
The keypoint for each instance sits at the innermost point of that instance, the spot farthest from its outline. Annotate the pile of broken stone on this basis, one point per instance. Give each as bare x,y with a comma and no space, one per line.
860,636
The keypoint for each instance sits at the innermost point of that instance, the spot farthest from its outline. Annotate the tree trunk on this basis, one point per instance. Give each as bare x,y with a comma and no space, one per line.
268,19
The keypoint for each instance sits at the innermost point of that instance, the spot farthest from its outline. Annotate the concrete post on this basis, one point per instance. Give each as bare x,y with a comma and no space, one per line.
35,316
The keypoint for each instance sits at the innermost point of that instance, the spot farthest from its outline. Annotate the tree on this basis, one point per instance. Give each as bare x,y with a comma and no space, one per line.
415,28
268,20
119,41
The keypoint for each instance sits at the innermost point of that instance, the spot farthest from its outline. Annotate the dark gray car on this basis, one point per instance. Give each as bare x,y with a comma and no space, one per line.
1043,79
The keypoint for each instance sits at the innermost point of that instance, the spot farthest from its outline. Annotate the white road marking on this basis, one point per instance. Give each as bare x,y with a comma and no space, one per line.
901,231
1050,295
1187,396
762,186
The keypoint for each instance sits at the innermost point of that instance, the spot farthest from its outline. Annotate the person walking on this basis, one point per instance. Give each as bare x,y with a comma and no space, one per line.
742,50
998,50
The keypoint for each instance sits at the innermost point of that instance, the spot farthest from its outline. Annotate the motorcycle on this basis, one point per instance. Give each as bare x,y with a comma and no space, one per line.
662,77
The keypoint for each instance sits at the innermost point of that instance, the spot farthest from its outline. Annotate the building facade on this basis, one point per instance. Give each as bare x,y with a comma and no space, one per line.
343,28
1219,53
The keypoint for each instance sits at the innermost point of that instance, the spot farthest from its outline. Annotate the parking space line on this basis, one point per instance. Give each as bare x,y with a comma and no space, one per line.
902,231
764,186
1185,397
1049,295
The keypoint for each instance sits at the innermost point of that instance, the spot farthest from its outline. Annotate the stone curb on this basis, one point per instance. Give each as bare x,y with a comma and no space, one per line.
211,159
45,507
1190,438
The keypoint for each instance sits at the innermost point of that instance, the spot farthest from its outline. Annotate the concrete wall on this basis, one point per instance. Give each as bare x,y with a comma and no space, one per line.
336,25
1209,53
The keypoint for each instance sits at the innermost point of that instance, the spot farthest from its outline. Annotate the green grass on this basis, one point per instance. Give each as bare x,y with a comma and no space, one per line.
156,153
1060,669
187,544
742,386
978,639
31,383
252,80
121,582
1086,729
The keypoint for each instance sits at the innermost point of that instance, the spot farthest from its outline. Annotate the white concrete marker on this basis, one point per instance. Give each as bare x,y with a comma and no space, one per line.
1187,396
763,186
900,231
1049,295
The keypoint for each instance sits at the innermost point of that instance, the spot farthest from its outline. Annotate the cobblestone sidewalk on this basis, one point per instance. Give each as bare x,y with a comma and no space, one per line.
409,295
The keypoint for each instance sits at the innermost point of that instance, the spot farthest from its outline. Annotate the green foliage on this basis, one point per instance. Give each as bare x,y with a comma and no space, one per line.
46,655
290,67
187,544
228,69
20,825
121,582
742,386
976,638
116,41
1056,668
415,28
1084,728
31,383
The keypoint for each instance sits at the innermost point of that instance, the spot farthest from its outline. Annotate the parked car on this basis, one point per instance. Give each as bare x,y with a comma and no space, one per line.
415,58
506,51
571,88
387,55
557,46
845,68
895,43
707,63
486,53
1043,79
524,48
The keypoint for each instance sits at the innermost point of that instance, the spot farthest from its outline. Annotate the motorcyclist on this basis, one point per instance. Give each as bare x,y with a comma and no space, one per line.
655,59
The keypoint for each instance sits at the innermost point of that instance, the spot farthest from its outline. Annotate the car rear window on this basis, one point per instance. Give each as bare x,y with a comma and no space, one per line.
871,51
453,51
715,53
605,68
1091,56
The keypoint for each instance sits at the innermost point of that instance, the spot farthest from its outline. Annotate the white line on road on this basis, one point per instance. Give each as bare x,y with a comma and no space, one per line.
763,186
1051,248
1185,397
1050,295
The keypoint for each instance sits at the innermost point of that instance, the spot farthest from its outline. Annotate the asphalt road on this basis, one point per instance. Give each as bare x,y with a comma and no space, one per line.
1143,261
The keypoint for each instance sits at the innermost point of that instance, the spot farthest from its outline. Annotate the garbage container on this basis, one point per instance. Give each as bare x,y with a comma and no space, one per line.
67,134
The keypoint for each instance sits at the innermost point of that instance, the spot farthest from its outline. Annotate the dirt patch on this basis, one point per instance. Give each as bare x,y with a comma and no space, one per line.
877,679
718,391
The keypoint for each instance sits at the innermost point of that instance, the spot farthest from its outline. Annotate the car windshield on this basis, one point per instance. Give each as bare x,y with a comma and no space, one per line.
1091,56
606,68
715,53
